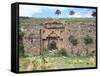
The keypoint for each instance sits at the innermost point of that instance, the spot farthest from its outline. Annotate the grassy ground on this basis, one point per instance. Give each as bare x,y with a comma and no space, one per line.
44,63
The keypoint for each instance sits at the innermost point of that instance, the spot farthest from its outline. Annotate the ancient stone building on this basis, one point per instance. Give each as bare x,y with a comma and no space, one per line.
55,35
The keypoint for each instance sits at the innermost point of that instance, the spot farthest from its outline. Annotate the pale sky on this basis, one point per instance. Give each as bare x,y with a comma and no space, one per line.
49,11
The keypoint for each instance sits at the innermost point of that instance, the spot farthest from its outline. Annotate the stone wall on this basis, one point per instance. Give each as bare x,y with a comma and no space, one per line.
79,32
32,39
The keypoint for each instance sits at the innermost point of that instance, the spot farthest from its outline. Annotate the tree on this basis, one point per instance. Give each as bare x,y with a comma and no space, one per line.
93,14
71,12
57,12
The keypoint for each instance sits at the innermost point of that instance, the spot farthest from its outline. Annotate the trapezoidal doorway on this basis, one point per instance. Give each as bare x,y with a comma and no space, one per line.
52,43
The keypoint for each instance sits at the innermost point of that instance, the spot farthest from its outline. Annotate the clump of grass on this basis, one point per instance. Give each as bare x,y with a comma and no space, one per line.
46,66
91,60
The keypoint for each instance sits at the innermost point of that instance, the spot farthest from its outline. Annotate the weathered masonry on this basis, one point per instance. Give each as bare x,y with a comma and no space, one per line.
55,35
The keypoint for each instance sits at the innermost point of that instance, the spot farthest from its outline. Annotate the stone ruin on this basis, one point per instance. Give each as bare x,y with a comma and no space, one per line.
54,35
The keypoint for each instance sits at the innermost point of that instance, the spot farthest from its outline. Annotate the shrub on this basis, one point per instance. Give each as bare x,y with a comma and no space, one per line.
88,40
62,51
55,53
73,40
46,66
42,63
91,60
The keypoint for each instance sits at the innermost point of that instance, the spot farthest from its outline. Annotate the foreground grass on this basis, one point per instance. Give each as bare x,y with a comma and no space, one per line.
45,63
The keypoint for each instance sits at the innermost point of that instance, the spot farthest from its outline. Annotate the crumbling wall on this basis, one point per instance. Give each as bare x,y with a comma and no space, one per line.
80,31
31,41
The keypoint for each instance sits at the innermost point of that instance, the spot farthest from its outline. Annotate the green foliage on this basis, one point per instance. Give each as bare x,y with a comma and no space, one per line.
88,40
62,51
47,52
73,40
21,46
54,53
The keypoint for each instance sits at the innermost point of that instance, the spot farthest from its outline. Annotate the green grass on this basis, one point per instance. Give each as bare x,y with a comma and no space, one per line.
26,64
